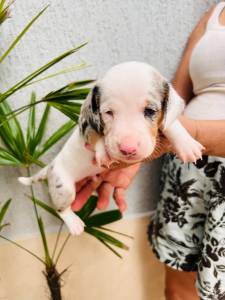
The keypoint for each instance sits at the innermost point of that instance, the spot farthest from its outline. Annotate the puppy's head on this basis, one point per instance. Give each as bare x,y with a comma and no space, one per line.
128,106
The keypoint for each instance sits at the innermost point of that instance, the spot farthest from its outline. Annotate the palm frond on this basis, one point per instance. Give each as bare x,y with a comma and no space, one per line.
54,138
11,133
22,33
22,83
61,72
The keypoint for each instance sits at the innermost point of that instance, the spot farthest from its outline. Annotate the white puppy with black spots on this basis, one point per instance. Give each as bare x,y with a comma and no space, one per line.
120,120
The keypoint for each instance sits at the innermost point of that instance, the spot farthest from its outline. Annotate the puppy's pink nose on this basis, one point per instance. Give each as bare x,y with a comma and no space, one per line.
126,149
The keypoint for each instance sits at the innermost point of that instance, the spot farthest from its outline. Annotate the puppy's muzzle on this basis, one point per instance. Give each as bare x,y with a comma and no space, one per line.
128,149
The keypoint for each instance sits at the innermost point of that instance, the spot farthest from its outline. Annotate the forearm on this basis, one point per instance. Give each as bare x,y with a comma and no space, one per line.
211,134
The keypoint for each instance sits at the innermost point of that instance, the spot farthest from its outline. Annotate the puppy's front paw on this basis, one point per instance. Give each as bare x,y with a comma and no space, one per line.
77,227
73,222
189,150
102,159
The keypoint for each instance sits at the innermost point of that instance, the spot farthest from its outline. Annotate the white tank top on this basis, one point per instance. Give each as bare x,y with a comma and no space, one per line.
207,71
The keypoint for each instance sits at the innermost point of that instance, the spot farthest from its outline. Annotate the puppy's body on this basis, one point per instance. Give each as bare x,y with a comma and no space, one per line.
73,163
120,120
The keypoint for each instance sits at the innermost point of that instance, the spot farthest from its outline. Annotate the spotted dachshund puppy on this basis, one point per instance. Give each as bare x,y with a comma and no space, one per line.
119,120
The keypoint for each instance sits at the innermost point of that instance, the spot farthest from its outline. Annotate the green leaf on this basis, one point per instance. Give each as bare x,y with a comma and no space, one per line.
109,247
103,218
46,207
7,159
70,113
22,33
73,85
42,126
63,71
4,210
88,208
116,232
59,99
11,132
21,247
31,125
76,94
48,260
30,77
55,137
105,237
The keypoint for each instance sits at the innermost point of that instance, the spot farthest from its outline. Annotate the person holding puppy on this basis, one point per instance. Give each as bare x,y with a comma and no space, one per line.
187,232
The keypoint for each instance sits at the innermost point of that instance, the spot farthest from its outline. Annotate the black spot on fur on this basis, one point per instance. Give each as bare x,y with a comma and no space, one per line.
90,117
97,126
84,126
166,89
95,100
58,186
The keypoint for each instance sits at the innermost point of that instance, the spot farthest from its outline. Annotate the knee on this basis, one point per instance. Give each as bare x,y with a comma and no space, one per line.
180,285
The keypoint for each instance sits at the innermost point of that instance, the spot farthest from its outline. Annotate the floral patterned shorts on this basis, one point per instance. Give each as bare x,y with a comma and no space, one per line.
188,229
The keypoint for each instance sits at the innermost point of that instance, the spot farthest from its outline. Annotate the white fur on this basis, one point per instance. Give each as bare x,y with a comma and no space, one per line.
125,90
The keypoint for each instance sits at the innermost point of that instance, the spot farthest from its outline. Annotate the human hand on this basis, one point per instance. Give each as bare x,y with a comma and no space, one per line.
109,182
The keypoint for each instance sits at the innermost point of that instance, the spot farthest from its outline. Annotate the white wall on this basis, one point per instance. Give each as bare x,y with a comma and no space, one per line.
151,31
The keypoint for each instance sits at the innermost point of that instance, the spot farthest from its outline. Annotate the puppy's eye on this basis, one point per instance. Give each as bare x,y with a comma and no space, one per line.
109,113
149,112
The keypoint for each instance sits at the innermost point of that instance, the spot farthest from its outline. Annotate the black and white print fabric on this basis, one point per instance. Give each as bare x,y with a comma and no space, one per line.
188,229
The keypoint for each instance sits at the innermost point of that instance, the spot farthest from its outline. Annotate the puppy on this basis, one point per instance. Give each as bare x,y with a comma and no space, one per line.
120,120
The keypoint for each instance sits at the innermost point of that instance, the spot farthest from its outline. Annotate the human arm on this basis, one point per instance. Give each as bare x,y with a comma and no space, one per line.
210,133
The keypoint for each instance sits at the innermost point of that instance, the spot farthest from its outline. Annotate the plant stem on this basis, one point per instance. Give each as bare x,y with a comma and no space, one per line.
33,197
57,240
62,247
51,274
54,282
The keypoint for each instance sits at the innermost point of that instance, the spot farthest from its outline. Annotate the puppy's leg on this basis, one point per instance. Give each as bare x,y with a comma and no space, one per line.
62,191
101,155
186,148
41,175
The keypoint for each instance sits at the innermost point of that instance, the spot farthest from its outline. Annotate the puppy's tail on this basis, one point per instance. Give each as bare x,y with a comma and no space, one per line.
41,175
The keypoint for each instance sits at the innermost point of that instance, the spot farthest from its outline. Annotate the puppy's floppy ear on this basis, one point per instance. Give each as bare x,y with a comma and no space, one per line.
172,104
95,99
90,116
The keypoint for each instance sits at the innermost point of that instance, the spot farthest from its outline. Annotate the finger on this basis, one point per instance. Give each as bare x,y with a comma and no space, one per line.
83,195
119,197
122,177
104,193
82,183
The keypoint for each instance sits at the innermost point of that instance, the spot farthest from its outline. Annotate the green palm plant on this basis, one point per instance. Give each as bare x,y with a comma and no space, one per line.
24,148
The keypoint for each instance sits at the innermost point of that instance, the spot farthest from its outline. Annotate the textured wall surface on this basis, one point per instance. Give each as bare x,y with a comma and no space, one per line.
151,31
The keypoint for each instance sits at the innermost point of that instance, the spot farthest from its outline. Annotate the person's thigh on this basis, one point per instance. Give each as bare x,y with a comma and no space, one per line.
180,285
